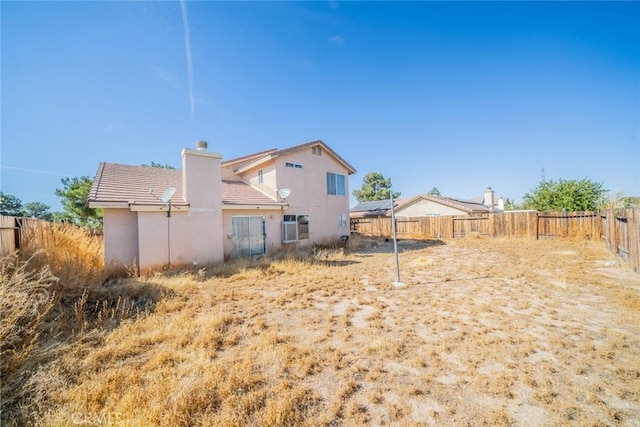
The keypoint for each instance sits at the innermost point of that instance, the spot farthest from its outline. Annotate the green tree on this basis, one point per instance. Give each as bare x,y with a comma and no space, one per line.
571,195
158,165
434,192
37,210
10,205
75,202
374,187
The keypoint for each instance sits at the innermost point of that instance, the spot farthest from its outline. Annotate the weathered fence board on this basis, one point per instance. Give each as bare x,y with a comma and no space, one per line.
14,232
569,224
621,232
7,235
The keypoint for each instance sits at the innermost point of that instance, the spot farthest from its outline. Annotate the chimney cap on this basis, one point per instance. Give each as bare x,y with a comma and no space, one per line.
201,145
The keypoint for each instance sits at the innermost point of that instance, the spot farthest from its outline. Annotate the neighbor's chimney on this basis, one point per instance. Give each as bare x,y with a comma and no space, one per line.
488,197
501,203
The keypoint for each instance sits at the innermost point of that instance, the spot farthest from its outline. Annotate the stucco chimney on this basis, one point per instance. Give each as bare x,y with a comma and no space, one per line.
489,197
202,190
500,203
202,177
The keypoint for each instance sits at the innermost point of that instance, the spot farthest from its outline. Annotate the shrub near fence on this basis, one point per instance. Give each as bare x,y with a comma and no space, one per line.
29,233
619,228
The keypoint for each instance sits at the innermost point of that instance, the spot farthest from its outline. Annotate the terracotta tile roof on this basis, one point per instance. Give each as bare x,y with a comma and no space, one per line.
240,193
125,183
116,183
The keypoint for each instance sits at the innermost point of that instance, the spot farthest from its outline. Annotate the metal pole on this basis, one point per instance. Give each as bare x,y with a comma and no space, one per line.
168,266
395,240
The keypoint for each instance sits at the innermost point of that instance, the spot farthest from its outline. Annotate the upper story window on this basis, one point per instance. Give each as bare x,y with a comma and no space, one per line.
336,184
293,165
316,150
260,176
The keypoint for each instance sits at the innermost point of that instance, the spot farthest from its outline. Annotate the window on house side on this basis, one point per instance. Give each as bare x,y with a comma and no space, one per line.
295,227
260,177
336,184
343,220
293,165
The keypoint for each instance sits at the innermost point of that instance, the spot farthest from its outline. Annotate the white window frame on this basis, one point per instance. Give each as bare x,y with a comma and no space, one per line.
343,220
332,184
291,225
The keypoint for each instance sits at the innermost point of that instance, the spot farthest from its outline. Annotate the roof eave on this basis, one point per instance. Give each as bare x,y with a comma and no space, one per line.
254,164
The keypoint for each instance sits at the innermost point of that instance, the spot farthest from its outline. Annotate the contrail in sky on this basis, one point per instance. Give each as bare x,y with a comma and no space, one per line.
187,45
31,170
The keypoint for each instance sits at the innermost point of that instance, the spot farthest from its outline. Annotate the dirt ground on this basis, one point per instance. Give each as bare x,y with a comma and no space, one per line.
479,332
534,333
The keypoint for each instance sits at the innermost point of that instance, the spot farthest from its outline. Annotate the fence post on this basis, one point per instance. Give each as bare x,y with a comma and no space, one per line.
17,232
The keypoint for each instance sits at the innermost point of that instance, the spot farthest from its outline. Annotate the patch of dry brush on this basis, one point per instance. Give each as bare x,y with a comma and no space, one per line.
485,332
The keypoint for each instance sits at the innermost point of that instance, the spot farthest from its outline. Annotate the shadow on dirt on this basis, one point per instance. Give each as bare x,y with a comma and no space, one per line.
372,245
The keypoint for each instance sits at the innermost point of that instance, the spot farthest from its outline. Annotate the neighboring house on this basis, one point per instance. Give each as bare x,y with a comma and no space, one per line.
432,205
221,209
428,205
489,199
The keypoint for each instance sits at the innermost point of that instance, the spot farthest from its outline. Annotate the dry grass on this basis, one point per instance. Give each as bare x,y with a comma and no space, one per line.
485,332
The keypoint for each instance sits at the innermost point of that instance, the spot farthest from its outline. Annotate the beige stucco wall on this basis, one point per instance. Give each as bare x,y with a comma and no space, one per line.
308,197
193,236
269,183
422,207
309,193
120,238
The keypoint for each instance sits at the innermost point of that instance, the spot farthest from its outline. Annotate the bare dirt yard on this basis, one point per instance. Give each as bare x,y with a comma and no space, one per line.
483,332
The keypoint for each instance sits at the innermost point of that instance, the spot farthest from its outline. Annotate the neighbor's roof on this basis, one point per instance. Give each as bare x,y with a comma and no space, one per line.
263,156
375,205
141,185
464,205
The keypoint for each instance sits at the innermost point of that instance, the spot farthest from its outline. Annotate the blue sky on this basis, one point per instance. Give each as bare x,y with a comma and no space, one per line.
456,95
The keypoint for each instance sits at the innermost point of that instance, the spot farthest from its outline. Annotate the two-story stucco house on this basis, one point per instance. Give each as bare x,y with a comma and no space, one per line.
212,209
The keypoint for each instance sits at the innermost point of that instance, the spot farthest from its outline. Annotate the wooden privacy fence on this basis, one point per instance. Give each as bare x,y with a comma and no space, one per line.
14,231
621,232
17,233
619,228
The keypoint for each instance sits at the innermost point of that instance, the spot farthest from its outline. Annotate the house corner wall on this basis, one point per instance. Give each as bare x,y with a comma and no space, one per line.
120,239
